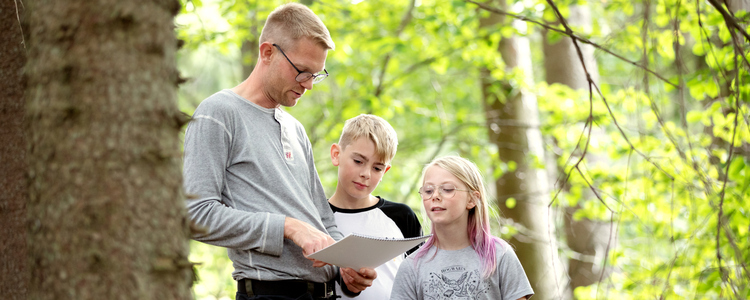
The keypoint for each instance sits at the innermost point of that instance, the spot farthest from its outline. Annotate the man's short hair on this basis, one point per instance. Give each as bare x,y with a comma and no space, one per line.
374,128
291,22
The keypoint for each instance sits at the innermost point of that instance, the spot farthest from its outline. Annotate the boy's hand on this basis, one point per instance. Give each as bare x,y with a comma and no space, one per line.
307,237
358,281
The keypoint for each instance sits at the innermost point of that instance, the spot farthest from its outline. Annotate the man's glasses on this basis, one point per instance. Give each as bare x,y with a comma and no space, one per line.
446,190
304,75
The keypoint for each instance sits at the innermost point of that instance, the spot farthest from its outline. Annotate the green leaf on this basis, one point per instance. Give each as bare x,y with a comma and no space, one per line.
510,203
694,116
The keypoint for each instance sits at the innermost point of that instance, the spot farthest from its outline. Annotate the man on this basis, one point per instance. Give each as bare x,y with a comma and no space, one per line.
250,166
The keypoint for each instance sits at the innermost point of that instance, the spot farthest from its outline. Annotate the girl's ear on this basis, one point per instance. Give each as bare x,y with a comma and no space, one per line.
474,195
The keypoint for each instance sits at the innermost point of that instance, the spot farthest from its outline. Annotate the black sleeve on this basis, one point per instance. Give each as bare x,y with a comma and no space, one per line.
405,219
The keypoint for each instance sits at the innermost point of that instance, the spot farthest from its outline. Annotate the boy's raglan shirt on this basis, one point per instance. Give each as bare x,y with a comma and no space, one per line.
384,219
248,167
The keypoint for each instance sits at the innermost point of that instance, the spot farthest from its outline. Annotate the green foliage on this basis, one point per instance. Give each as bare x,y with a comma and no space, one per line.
658,154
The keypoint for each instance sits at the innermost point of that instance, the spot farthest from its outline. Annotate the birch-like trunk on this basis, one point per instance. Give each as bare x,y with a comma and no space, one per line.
106,207
587,238
513,124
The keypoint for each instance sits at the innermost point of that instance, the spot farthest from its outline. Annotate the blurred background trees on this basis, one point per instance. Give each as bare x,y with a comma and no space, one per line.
614,134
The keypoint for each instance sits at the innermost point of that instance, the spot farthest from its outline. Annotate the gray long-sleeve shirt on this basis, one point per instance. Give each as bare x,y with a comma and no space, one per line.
249,168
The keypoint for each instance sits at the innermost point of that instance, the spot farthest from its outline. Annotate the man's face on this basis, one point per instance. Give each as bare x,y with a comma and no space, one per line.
282,87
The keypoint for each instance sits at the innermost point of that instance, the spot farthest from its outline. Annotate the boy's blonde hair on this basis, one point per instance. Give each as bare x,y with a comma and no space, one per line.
374,128
291,22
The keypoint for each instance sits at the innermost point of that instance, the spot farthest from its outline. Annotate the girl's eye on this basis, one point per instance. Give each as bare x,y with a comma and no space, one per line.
447,190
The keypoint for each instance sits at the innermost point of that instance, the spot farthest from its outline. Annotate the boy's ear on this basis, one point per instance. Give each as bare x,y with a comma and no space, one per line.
388,167
335,152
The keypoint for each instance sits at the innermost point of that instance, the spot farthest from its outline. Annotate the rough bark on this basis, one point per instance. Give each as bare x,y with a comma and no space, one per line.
13,183
106,211
513,125
588,238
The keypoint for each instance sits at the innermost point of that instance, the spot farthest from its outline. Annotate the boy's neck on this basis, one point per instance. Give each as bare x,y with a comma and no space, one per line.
352,203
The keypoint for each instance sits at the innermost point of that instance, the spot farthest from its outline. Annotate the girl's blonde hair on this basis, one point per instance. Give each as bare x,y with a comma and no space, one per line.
483,242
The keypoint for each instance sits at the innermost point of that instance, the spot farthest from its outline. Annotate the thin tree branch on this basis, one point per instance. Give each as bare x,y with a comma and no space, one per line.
20,26
404,21
728,163
572,36
729,19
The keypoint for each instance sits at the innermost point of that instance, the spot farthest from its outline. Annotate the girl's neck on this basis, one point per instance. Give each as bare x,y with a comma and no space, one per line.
452,237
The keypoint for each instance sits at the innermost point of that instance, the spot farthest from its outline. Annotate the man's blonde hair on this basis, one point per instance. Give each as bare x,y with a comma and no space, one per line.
375,129
291,22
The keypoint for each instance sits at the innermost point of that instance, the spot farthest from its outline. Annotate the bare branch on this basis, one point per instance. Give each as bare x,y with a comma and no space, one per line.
572,36
729,19
404,21
20,27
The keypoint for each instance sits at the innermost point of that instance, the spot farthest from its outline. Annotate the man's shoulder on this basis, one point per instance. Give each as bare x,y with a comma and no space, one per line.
219,101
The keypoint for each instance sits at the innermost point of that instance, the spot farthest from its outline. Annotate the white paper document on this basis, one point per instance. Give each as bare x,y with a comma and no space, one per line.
360,251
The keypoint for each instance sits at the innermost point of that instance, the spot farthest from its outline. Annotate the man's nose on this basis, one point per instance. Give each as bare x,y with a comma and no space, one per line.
307,84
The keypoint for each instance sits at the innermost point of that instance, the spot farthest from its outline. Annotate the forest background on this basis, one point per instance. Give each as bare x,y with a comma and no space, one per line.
639,163
614,135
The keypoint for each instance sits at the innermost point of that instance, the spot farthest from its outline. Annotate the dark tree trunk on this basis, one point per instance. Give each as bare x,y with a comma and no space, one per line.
106,211
13,183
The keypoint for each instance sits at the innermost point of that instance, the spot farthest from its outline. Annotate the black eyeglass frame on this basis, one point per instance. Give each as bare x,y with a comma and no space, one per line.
303,76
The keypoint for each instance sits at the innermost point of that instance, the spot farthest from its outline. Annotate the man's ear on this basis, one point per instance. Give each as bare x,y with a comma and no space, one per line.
335,152
265,51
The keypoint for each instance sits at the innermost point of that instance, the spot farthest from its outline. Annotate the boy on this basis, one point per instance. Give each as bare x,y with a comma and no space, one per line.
363,155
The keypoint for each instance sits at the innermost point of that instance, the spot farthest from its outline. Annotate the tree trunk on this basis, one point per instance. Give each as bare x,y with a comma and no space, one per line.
106,211
13,183
249,47
513,125
588,238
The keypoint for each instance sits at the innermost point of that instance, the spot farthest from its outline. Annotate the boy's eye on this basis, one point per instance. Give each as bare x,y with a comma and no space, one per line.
357,161
378,169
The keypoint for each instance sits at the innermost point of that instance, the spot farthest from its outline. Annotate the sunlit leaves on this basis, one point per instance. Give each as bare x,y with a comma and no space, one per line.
658,170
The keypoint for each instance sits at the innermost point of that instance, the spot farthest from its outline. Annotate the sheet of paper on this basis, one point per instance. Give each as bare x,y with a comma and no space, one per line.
357,251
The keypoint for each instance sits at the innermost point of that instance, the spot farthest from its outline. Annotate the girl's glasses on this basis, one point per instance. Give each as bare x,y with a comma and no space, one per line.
446,190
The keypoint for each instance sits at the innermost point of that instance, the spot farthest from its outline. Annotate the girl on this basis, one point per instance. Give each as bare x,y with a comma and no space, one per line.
461,260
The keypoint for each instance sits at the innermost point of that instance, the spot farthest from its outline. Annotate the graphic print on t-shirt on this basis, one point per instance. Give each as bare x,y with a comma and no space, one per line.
454,282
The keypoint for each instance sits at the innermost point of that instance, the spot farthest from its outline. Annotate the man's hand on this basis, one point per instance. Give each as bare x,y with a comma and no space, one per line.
307,237
358,281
